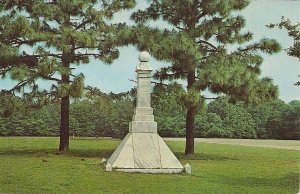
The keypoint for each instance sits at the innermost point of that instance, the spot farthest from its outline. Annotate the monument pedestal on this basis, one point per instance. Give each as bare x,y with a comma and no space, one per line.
143,150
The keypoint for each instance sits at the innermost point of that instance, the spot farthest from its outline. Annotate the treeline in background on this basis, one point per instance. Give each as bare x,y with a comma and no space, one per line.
107,115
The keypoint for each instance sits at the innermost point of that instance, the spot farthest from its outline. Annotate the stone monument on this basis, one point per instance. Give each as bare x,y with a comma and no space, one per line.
143,150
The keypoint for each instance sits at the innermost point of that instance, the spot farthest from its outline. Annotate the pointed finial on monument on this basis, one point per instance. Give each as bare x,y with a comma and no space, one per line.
144,58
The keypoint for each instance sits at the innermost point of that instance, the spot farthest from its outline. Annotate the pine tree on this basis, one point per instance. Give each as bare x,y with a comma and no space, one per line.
293,32
60,34
197,46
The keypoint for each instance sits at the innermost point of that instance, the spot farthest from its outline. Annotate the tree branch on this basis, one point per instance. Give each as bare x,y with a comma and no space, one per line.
201,15
153,82
211,98
83,24
50,78
85,47
180,28
49,54
19,85
132,80
207,43
18,42
54,2
3,71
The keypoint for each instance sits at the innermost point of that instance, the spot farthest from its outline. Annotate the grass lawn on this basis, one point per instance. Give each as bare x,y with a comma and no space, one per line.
32,165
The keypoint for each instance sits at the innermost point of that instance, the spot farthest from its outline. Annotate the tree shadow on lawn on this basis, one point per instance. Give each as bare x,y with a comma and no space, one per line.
95,139
203,156
290,180
86,153
103,153
27,152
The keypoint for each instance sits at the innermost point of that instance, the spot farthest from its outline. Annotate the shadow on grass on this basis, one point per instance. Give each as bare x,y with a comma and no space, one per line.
27,152
202,156
95,139
103,153
288,181
48,152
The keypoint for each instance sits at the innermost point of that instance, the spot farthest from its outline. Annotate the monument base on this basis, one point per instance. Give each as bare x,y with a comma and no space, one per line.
151,170
144,152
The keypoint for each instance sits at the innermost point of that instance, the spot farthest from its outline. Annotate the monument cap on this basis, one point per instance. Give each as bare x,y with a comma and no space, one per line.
144,56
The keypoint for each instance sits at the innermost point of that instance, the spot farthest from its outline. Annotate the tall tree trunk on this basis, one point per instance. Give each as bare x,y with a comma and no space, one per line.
64,115
190,123
190,119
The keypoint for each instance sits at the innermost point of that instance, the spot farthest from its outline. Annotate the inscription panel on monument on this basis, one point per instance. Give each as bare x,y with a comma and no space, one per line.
143,97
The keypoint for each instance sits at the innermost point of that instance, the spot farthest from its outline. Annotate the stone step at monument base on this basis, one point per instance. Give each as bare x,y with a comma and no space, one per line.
144,152
151,170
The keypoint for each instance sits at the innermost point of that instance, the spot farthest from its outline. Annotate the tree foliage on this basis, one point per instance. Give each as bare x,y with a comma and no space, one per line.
199,45
108,115
293,32
237,121
168,111
47,39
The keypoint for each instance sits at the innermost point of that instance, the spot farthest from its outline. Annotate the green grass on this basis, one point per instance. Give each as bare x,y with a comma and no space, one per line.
32,165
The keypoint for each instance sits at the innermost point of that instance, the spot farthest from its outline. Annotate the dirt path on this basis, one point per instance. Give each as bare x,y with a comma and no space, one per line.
280,144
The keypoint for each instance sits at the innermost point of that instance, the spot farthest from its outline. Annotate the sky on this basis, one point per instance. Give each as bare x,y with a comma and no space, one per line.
282,68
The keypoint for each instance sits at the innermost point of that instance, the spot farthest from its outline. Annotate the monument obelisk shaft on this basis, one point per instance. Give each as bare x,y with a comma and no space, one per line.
143,118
